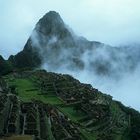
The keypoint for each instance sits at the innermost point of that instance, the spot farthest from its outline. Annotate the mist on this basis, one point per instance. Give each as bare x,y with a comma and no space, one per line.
111,70
113,22
124,89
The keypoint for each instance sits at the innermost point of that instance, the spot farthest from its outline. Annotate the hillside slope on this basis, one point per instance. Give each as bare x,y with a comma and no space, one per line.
58,107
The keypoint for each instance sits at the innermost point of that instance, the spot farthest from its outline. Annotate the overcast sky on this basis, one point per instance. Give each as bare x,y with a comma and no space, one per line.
113,22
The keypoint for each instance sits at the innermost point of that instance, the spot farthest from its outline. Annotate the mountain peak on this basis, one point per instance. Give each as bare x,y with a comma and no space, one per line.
50,23
52,14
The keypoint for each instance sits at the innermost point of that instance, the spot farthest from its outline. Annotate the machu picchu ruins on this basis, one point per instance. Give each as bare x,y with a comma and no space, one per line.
42,105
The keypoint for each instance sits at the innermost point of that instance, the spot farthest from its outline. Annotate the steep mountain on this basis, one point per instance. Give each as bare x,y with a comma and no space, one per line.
54,45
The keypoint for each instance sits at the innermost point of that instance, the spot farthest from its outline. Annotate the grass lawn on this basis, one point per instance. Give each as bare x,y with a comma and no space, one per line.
87,135
72,114
25,92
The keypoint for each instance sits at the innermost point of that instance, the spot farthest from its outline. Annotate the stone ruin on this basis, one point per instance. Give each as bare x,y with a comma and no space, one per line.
29,116
84,98
45,121
34,118
14,116
4,113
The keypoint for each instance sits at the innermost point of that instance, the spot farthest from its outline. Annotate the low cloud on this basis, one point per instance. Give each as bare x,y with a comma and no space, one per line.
113,71
112,22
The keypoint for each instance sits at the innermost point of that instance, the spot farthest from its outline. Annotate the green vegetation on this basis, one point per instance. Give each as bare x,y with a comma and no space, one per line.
27,91
119,122
5,66
71,113
19,138
87,135
75,116
134,120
